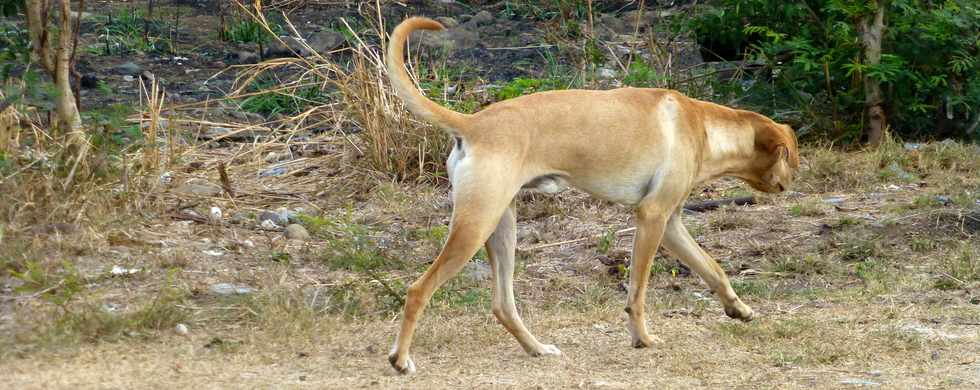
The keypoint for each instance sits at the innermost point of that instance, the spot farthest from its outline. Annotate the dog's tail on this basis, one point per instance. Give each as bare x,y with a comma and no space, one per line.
417,103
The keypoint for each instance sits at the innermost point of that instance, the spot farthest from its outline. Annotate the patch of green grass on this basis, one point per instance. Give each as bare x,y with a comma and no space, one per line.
957,270
349,245
752,287
57,285
806,209
271,100
606,242
642,75
247,30
525,86
808,265
129,31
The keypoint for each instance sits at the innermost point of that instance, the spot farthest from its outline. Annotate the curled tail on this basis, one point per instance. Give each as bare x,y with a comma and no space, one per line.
417,103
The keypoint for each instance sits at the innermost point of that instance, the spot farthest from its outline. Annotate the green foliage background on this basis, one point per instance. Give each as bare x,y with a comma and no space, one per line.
929,70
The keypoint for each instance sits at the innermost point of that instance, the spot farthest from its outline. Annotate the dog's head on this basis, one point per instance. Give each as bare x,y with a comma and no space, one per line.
776,158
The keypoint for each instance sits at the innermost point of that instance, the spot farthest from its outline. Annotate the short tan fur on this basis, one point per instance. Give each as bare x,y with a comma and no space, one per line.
637,146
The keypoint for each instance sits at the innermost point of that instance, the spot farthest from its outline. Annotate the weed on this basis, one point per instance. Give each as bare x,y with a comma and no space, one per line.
957,270
751,287
250,31
130,31
606,242
810,264
806,209
640,74
56,286
872,271
272,99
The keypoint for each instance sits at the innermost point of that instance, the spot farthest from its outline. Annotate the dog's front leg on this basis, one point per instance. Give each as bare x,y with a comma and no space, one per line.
679,242
650,222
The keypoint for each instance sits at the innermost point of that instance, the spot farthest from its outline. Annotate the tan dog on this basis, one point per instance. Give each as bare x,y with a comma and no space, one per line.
642,147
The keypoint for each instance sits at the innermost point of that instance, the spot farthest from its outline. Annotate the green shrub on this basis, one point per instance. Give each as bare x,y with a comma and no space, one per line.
525,86
929,70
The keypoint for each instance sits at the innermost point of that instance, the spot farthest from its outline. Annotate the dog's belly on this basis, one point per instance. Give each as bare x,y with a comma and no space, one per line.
629,191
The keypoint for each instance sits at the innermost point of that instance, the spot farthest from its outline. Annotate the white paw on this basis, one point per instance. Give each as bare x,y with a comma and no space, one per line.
406,368
548,349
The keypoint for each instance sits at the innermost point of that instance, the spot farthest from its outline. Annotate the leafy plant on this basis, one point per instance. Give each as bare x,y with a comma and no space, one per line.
643,76
249,30
929,69
524,86
274,100
129,31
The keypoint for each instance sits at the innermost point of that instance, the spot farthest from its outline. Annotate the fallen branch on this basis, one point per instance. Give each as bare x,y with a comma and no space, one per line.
714,204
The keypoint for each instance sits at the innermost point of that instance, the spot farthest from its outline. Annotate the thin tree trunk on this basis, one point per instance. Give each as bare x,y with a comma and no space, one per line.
871,29
67,110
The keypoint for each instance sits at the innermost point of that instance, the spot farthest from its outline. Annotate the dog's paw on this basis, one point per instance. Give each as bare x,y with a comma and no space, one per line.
549,349
646,341
740,311
403,368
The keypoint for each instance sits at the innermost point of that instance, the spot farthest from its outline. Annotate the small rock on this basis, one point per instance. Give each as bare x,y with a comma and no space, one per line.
198,188
166,178
325,41
122,271
128,78
147,75
286,46
273,172
477,270
835,200
482,18
945,200
225,289
276,217
900,173
912,145
239,217
297,232
89,81
606,73
128,68
215,215
243,57
269,225
181,329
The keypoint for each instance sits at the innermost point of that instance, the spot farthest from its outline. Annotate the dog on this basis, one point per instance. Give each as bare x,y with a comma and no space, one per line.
636,146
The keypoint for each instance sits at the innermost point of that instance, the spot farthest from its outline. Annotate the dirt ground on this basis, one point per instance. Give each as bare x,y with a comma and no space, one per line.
866,274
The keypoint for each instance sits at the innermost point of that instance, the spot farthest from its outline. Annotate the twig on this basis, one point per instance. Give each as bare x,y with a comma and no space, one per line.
225,182
543,46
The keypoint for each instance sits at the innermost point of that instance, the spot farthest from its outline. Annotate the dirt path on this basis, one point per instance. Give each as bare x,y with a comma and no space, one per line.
836,346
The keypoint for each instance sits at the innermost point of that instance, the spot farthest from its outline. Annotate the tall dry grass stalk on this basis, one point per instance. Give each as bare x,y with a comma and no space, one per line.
373,119
152,98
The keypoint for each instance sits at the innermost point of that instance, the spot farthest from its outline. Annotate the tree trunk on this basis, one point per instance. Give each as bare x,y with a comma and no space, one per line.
56,61
871,29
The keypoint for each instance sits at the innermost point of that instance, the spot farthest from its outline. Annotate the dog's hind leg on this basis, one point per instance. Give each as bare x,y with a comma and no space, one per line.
480,196
500,250
679,242
651,217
